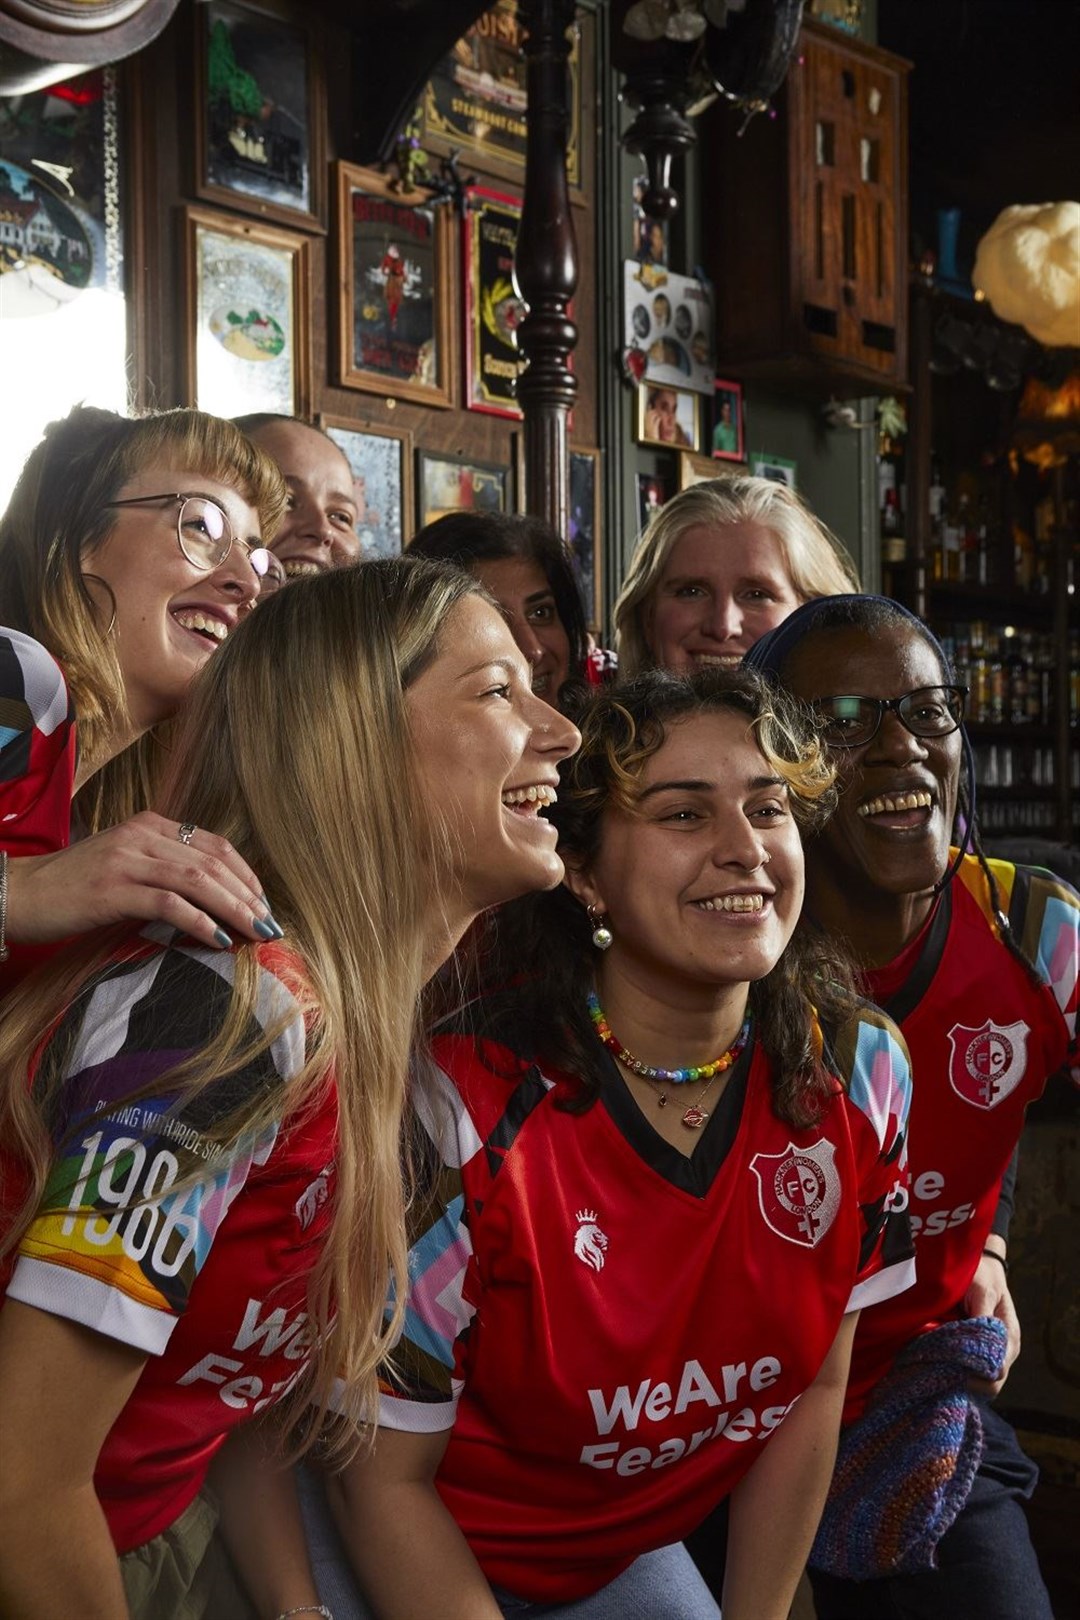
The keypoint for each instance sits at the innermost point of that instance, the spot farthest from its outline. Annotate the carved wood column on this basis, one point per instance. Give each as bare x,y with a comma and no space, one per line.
546,264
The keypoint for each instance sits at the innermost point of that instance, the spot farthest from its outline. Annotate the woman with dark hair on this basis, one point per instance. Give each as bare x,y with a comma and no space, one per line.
524,565
976,959
665,1140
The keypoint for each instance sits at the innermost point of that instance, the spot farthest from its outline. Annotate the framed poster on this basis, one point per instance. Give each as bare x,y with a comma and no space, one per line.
381,462
651,494
696,469
448,483
394,308
584,531
475,102
668,416
259,141
778,468
493,309
248,315
728,428
670,318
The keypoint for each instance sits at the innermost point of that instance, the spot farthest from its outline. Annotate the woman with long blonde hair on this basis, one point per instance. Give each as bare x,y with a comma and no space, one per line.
716,567
204,1199
130,551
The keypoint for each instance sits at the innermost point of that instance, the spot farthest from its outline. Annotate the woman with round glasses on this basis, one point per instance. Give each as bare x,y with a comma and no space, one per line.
128,554
976,960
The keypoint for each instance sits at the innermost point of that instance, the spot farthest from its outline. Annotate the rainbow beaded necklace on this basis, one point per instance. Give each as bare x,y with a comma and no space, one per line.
695,1116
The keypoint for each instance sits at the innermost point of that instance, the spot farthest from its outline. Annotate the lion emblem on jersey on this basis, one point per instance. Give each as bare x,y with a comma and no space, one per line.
986,1064
799,1191
590,1244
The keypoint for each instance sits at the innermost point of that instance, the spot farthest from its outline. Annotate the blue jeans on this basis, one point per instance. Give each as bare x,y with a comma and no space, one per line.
986,1563
661,1585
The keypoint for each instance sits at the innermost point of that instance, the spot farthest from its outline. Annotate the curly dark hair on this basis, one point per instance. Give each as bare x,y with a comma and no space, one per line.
537,951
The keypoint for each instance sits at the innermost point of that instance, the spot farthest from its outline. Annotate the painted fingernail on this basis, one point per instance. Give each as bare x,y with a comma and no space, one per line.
221,938
265,930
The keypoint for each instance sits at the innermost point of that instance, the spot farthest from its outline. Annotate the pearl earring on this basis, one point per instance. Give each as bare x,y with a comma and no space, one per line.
602,937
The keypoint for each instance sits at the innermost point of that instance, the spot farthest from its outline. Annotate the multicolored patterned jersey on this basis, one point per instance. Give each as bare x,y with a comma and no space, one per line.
613,1330
37,764
984,1039
151,1233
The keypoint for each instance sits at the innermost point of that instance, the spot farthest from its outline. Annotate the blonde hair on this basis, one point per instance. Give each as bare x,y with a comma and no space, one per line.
817,564
295,745
58,517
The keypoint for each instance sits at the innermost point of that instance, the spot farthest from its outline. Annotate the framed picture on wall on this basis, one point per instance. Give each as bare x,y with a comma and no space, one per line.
247,315
696,469
652,492
381,462
728,428
493,310
447,483
259,129
778,468
668,416
584,531
394,307
476,100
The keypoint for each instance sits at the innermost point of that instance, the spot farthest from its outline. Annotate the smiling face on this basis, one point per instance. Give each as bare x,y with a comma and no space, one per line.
488,753
704,883
720,590
318,530
521,588
898,793
170,617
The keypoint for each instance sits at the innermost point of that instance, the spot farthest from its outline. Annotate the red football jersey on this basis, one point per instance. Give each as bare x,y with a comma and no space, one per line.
983,1040
211,1280
614,1330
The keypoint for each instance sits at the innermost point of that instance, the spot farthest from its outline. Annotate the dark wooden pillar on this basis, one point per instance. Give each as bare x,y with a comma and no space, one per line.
546,264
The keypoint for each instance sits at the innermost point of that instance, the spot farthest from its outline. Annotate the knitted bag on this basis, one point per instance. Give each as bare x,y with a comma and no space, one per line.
905,1467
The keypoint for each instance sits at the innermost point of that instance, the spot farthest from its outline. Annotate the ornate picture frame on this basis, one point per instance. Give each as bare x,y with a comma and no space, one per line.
493,309
247,301
260,141
668,417
381,461
448,483
394,302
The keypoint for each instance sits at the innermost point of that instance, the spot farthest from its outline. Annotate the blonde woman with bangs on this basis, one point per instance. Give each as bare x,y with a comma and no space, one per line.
204,1172
664,1163
717,566
129,552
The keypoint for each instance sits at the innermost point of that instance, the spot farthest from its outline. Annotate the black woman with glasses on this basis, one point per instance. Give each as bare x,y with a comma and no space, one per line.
976,960
129,552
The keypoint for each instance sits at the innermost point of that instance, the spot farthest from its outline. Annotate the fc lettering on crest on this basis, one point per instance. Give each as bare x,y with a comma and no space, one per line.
799,1191
986,1064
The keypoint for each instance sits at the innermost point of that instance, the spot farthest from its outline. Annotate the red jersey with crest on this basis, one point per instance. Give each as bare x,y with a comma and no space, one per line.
208,1281
984,1039
613,1330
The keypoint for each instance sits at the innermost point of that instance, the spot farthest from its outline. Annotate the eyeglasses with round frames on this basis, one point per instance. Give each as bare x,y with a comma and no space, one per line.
204,532
851,722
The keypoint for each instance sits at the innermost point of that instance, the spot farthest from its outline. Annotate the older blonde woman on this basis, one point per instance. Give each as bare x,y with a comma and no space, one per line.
719,565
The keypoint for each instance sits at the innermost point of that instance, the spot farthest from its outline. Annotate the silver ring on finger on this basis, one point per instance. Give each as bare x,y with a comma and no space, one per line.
187,831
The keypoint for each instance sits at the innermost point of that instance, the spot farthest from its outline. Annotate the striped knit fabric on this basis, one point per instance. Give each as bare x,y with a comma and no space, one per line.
905,1468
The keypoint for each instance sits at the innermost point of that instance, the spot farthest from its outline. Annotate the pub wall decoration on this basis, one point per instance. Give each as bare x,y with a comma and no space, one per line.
493,308
259,140
381,462
584,529
447,483
668,318
60,218
475,103
248,313
394,293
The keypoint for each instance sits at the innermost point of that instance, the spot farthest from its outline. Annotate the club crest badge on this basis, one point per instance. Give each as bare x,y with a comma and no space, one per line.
986,1064
590,1243
799,1191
